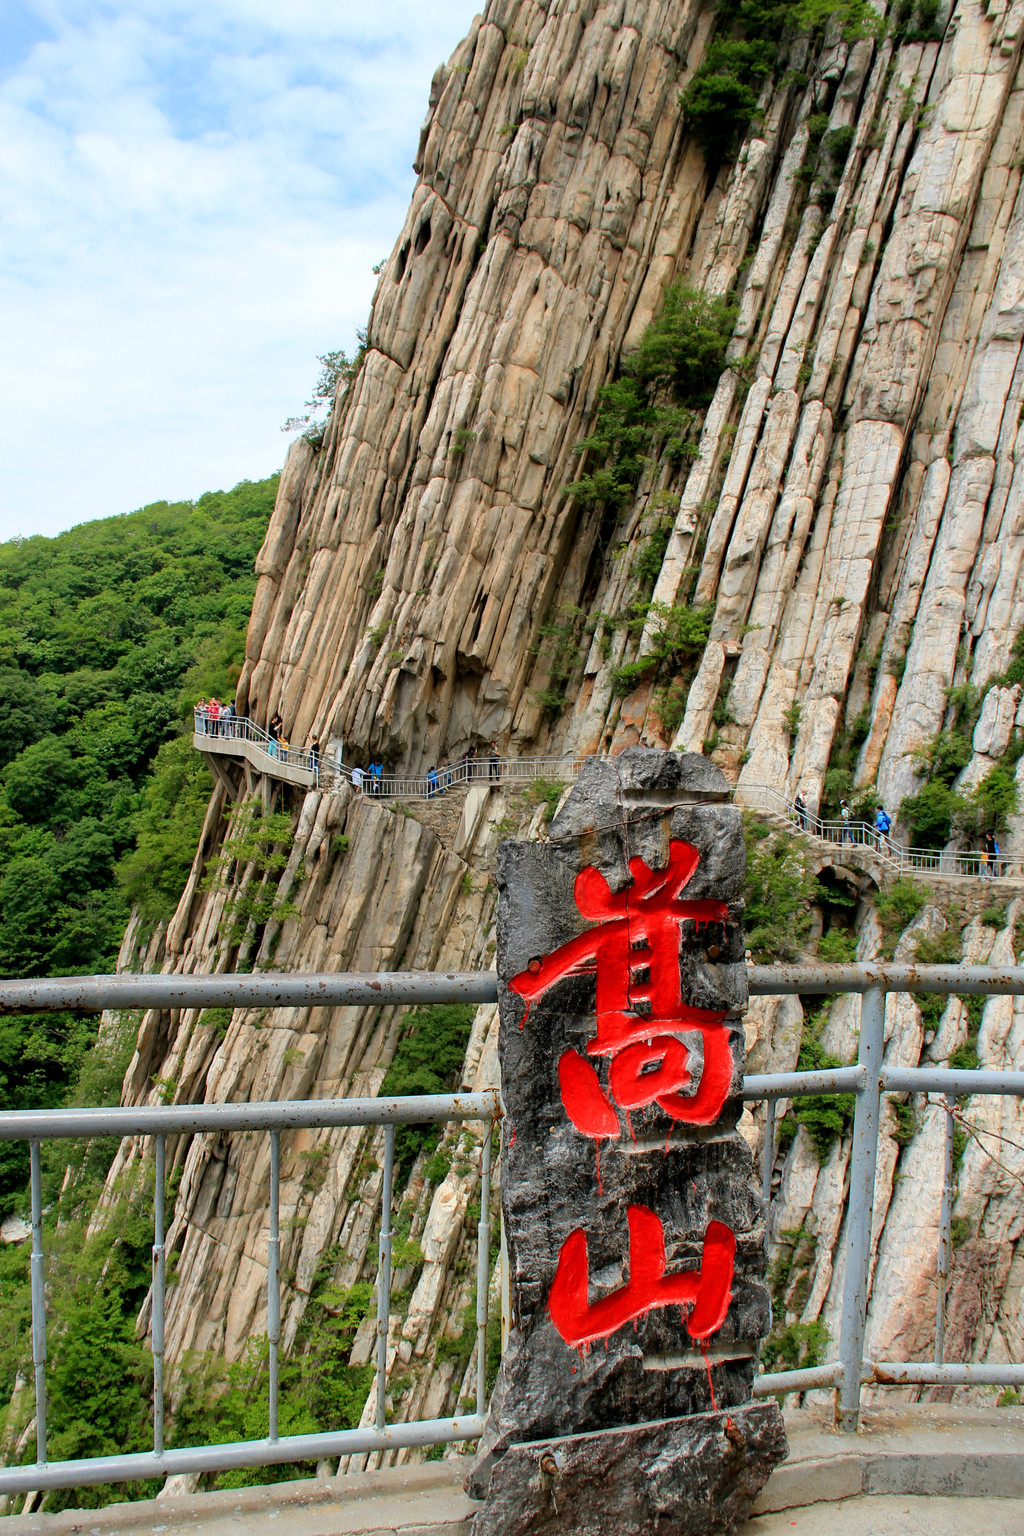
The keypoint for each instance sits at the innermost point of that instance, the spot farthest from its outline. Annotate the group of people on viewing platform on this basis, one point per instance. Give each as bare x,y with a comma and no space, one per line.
214,718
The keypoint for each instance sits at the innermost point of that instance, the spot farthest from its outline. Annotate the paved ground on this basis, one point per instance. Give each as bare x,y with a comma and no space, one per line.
416,1515
895,1517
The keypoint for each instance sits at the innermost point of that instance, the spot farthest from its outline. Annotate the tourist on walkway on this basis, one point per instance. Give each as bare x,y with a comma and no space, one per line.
800,807
377,774
274,730
444,775
314,753
213,716
201,717
357,779
431,783
227,719
883,821
844,811
495,762
989,867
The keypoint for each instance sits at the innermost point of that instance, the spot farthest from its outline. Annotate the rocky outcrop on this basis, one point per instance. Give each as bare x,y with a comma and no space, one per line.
852,514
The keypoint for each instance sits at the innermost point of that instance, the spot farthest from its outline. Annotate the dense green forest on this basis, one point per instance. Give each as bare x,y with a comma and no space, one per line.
108,633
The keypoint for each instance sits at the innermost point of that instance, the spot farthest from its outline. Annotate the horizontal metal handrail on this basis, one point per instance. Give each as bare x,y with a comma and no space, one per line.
322,989
805,1379
789,1085
267,989
236,1453
884,976
280,1115
950,1080
894,1373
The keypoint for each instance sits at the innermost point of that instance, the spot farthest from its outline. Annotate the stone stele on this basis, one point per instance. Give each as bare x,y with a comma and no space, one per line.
635,1233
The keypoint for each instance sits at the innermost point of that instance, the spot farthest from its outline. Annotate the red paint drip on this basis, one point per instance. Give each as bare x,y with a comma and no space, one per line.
711,1385
629,1122
512,1138
526,1015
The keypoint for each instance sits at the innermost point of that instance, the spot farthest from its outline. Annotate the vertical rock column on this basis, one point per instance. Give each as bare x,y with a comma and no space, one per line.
635,1234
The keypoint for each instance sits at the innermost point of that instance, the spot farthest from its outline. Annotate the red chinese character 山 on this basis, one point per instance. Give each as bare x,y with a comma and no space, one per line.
637,930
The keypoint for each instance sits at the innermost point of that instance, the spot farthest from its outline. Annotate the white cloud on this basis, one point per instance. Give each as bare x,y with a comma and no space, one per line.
193,195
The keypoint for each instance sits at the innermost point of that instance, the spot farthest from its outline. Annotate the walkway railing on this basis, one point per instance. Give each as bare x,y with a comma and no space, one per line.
868,1079
325,772
945,864
273,1118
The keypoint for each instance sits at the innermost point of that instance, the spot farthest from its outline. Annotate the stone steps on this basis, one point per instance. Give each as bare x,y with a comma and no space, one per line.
443,813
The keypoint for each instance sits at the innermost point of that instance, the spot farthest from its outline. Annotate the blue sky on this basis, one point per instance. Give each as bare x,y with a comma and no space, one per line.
193,197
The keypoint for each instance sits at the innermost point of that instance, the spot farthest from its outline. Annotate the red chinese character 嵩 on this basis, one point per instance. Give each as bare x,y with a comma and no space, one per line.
637,930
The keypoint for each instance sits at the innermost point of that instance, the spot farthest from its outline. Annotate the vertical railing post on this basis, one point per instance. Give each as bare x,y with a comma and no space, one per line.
159,1276
384,1273
38,1291
945,1229
274,1285
768,1151
862,1199
483,1270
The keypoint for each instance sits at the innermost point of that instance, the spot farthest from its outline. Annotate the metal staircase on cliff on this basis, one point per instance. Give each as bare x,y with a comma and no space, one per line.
852,842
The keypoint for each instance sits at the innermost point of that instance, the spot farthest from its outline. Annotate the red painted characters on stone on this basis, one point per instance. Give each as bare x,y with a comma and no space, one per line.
704,1294
637,930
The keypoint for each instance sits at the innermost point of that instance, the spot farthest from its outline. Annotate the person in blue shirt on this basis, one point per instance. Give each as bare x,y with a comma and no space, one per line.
990,867
883,821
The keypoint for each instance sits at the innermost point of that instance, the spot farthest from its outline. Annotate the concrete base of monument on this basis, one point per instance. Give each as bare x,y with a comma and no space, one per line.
673,1477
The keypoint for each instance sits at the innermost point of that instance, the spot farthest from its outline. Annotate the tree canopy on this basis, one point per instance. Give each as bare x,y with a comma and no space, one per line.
107,635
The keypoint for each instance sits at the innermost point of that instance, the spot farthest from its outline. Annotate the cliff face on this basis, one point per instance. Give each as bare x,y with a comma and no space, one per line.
853,514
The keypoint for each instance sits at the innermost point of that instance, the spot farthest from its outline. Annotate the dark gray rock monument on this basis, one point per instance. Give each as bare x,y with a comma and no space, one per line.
635,1233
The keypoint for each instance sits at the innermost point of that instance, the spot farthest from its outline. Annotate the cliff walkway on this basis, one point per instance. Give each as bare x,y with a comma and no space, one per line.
853,843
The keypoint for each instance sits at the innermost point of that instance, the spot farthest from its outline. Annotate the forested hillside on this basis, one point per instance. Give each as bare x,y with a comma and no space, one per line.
107,634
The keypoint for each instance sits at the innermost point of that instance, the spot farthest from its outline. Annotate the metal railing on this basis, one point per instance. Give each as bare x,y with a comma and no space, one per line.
868,1079
219,730
951,864
163,1121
